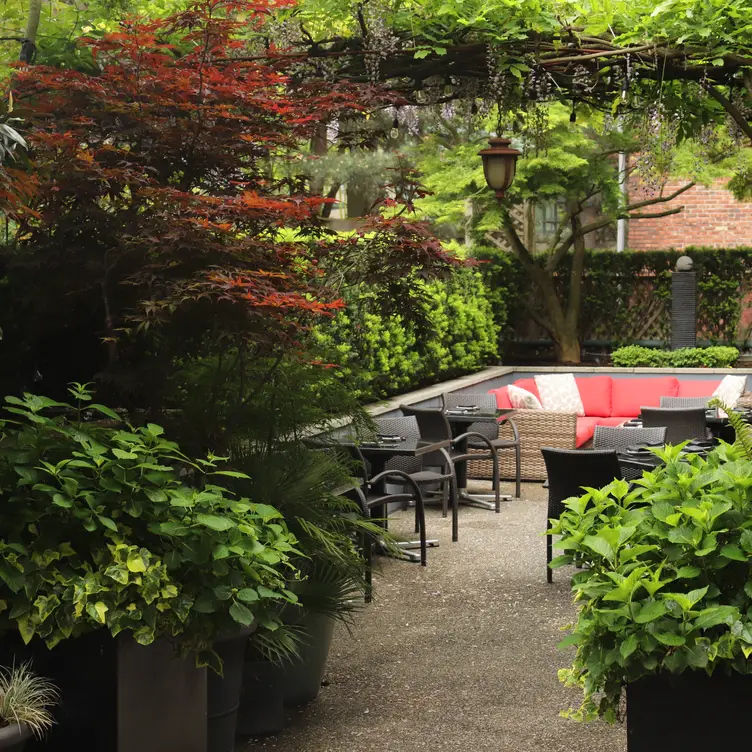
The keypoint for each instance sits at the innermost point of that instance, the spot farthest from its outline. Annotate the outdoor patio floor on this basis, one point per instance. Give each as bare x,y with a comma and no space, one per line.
458,656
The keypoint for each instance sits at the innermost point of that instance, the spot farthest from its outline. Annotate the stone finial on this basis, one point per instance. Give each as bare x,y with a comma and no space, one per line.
684,264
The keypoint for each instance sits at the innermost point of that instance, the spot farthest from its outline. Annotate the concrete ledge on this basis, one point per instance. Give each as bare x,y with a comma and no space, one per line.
436,390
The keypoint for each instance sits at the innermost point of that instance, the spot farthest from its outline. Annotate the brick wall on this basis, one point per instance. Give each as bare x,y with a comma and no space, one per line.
711,217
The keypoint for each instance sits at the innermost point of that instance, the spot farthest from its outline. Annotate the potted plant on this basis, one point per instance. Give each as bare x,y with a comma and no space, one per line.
665,599
113,530
25,702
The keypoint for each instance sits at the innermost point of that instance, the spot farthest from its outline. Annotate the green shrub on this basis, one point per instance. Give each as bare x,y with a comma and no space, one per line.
634,356
113,527
379,356
665,584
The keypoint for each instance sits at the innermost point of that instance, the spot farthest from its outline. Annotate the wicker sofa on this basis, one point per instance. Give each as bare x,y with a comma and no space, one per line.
607,401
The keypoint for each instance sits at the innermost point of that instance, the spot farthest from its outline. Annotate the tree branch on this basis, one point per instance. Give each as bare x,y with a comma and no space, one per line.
732,110
654,215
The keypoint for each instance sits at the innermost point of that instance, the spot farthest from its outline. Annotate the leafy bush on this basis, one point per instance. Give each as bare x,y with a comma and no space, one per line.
634,356
115,527
665,585
382,355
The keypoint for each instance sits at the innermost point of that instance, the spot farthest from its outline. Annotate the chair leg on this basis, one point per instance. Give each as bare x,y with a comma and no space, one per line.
422,530
367,544
497,482
454,492
518,472
417,524
444,496
549,552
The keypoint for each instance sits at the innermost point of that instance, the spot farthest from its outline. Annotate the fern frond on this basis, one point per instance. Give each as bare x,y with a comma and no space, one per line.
742,429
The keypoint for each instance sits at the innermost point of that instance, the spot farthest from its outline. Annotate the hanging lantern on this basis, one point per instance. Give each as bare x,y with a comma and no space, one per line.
499,164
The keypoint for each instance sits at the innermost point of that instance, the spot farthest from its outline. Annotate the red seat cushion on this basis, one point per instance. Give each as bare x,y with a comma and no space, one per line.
502,397
614,420
628,395
528,384
585,430
697,388
595,393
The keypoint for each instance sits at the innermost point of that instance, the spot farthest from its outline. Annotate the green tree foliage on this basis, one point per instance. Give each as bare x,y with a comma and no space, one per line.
377,356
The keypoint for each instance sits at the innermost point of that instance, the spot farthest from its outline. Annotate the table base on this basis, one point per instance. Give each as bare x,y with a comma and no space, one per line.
480,500
406,549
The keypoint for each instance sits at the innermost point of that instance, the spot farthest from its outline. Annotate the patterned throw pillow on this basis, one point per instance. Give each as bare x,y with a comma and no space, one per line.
730,389
521,399
559,392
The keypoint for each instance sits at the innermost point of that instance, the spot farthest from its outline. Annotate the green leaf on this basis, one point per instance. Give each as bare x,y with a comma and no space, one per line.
97,611
732,551
231,474
669,638
215,522
138,561
711,617
420,54
107,522
628,646
248,595
241,614
220,551
105,411
650,612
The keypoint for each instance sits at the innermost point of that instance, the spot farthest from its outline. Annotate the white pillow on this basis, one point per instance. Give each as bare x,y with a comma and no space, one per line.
730,389
559,392
521,399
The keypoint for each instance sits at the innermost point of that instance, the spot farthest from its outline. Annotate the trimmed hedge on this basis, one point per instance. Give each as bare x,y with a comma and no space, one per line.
635,356
381,356
627,296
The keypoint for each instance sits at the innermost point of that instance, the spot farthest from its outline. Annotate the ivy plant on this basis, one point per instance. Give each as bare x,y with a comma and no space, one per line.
665,584
111,526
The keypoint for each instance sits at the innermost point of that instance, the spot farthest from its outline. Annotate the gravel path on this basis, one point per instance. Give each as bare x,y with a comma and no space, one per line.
458,656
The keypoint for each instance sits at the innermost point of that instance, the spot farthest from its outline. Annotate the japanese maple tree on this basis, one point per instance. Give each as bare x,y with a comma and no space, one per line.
169,225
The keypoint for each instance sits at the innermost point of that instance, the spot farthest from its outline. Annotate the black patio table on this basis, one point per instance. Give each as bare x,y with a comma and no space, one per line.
378,451
460,420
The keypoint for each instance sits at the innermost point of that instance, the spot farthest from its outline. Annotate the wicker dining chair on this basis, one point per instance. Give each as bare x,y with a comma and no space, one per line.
685,401
621,437
682,424
415,467
487,402
434,426
568,471
371,494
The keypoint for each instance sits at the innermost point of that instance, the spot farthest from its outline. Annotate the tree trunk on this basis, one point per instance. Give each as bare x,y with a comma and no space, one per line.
567,347
29,46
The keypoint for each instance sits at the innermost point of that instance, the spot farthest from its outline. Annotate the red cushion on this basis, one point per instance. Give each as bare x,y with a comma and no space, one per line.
528,384
585,430
595,393
629,395
502,397
614,420
697,388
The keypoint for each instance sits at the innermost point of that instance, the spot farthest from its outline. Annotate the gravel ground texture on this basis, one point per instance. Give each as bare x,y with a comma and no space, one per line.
458,656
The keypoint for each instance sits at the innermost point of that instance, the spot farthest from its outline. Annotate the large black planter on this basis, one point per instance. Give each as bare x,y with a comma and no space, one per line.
13,738
262,710
223,692
116,695
691,712
302,677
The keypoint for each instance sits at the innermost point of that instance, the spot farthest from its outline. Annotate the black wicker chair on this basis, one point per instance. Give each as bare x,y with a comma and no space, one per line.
621,437
487,402
415,467
685,401
370,494
434,426
682,424
568,471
